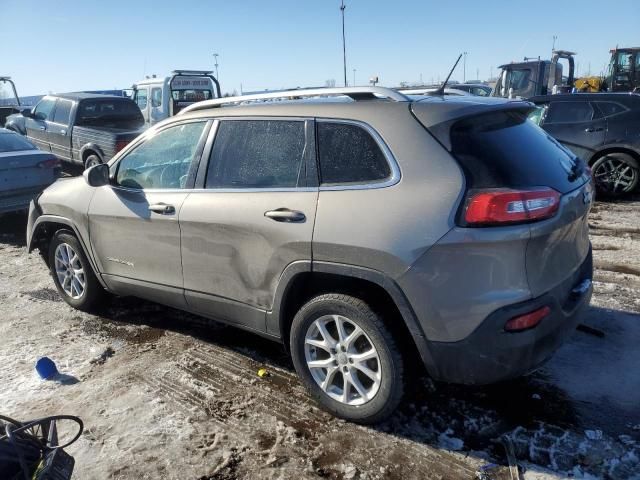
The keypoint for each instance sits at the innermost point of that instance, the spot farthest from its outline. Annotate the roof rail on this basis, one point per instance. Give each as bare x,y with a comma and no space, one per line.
356,93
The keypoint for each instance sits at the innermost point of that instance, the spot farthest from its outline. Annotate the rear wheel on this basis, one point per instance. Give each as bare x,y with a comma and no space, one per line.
616,174
347,358
72,274
92,160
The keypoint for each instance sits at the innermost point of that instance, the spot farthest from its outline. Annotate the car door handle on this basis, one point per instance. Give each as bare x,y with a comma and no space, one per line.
63,132
42,127
593,129
162,208
285,215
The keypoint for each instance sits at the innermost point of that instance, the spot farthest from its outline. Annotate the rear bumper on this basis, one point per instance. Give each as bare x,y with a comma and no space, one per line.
491,355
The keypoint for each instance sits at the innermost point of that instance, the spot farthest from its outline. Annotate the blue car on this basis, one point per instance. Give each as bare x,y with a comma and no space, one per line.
24,171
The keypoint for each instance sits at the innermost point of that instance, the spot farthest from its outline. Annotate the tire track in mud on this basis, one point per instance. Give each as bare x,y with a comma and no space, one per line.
223,383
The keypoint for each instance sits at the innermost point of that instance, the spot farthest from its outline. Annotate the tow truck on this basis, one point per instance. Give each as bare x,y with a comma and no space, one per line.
162,97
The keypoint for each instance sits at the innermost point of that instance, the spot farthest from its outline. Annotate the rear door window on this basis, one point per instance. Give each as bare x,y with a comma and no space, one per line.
348,154
62,113
257,154
505,150
569,112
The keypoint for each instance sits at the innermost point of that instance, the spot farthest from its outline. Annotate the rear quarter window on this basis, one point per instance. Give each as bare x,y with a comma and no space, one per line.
348,154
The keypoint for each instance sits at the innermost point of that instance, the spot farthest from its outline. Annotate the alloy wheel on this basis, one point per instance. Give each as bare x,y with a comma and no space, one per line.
70,271
614,175
342,360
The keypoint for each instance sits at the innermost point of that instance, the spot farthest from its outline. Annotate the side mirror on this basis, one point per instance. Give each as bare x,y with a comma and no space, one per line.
26,113
97,176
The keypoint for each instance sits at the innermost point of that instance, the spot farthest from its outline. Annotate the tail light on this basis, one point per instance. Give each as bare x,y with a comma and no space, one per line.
49,163
120,144
504,206
526,321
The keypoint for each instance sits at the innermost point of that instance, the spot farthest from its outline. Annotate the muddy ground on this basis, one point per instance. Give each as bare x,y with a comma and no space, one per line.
164,394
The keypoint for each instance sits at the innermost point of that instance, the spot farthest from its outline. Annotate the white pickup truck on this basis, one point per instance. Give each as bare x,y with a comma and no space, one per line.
162,97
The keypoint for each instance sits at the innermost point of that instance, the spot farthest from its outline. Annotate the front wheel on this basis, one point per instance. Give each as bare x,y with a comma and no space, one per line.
347,358
616,174
72,274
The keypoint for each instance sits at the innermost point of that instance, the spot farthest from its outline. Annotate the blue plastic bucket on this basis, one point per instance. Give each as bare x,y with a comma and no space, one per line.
46,368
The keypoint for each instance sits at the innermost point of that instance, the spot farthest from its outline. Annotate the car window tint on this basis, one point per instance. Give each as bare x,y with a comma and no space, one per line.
44,108
141,98
610,108
156,97
12,142
349,154
163,159
256,154
63,111
569,112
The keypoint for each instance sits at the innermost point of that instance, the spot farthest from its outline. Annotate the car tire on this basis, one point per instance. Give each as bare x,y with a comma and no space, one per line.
370,397
91,161
72,273
616,174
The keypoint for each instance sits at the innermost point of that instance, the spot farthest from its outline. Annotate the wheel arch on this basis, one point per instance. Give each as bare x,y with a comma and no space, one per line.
627,149
43,230
91,149
303,280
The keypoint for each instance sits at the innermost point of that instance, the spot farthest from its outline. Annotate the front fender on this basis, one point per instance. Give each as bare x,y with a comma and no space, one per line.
37,222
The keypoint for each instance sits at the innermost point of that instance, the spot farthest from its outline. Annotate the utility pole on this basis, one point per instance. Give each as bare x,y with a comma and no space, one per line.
354,78
464,68
344,47
477,74
215,56
555,37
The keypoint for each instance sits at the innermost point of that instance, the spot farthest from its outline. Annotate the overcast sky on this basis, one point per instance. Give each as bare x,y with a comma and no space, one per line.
71,45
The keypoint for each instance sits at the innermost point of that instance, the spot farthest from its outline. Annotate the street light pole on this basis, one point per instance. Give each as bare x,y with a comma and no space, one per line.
553,47
464,68
215,56
354,78
344,47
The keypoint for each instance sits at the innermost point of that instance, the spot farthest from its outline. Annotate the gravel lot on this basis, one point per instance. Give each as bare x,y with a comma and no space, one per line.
164,394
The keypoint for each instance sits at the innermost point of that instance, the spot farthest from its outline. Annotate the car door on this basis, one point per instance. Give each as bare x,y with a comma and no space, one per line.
59,130
577,125
36,125
156,113
253,216
141,98
133,222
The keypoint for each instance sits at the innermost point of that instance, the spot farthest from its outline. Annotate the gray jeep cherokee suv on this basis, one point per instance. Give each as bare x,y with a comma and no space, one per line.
358,226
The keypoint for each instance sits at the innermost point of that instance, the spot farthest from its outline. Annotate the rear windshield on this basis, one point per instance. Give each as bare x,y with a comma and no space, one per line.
12,142
114,113
505,150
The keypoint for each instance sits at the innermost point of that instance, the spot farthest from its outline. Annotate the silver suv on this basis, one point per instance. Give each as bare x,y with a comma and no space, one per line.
358,226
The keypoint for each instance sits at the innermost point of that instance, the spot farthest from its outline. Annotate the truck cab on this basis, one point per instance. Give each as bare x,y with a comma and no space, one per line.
623,74
162,97
535,77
